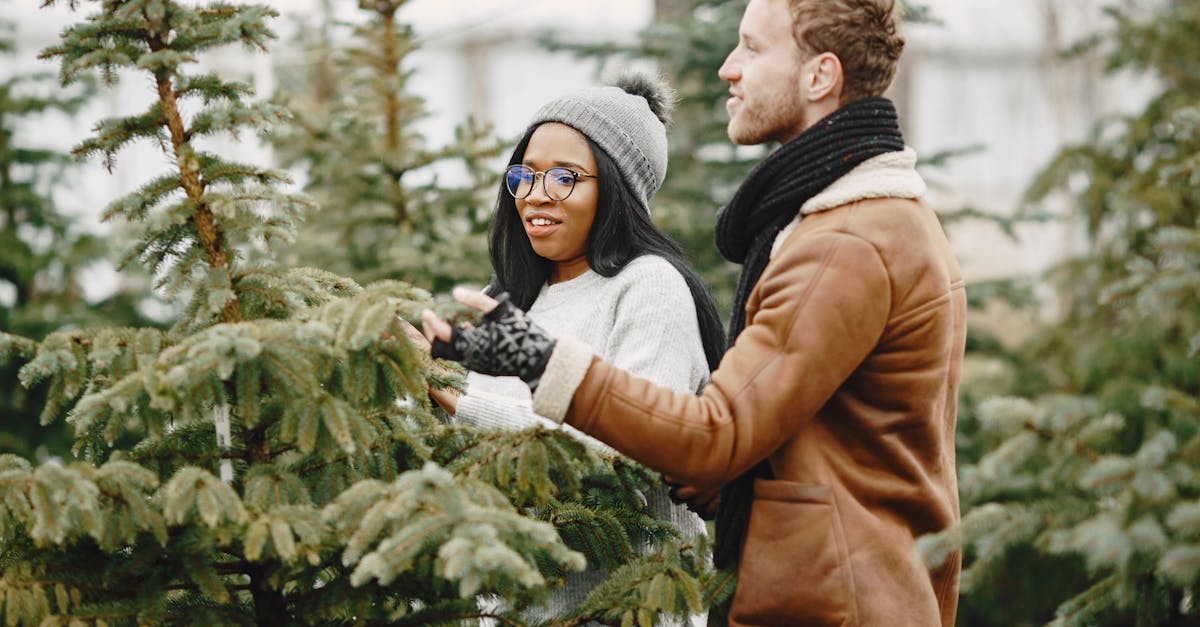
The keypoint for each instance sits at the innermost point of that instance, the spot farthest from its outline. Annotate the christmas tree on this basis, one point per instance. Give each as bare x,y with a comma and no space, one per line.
1083,496
41,255
273,457
353,141
384,214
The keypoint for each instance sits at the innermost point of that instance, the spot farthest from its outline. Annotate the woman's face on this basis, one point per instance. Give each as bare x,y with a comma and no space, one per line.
558,229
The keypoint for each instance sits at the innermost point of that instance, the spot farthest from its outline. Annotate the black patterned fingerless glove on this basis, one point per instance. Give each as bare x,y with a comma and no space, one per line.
506,343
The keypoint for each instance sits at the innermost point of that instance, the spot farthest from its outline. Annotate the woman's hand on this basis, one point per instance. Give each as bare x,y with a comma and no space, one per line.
447,398
438,329
413,334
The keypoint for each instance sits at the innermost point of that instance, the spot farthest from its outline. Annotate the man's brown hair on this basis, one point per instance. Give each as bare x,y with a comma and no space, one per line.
863,34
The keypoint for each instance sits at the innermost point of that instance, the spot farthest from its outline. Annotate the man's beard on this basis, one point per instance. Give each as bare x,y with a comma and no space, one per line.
778,119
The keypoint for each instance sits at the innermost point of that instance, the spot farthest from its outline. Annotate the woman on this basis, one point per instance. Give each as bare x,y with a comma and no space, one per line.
573,244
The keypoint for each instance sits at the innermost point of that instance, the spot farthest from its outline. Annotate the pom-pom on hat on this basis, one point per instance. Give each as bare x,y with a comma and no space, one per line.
628,120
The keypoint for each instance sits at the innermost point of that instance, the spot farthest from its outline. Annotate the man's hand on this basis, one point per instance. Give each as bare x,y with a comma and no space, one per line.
506,342
703,502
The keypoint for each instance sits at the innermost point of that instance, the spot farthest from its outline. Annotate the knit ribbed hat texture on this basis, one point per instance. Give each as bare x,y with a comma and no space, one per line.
628,121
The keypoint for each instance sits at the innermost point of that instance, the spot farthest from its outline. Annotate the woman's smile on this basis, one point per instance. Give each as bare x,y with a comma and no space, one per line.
540,224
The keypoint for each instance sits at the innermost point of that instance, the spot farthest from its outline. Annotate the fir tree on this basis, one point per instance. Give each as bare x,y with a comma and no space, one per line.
41,256
252,464
274,479
353,141
354,138
1086,486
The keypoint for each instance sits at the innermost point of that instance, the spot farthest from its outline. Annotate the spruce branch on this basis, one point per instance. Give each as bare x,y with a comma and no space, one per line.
482,545
643,592
211,88
16,347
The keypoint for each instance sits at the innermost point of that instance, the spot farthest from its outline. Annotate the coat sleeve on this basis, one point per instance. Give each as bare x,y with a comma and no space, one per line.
823,305
654,336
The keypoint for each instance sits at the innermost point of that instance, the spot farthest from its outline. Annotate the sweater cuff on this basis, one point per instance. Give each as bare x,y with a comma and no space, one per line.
568,363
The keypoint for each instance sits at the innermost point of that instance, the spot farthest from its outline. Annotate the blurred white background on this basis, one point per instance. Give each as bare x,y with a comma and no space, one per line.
988,75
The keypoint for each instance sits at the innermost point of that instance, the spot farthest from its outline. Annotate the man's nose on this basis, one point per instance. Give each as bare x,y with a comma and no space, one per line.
730,70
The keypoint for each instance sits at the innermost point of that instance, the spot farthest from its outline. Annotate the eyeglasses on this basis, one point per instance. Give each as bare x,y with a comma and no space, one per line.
557,182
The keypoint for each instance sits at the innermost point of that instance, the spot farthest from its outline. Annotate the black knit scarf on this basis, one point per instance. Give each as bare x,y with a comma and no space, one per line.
767,201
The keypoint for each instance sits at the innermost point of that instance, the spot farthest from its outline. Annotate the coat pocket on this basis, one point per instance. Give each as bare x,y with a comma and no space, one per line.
794,563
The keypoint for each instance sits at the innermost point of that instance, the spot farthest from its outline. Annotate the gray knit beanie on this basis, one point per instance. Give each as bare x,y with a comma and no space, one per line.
628,121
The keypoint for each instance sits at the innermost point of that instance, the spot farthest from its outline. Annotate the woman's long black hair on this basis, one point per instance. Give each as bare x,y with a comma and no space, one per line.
621,232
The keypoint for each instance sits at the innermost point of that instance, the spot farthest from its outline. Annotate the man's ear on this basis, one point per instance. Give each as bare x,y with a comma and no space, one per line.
824,75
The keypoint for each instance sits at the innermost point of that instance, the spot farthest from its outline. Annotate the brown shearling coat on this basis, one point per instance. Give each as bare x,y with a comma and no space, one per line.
846,379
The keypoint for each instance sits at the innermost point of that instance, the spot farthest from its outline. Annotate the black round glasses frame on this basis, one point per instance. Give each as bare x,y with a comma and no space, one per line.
518,175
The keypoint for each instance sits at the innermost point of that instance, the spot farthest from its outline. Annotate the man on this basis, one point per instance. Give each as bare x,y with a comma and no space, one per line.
830,421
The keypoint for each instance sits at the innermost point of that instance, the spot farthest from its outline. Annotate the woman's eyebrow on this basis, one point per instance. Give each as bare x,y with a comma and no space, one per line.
562,163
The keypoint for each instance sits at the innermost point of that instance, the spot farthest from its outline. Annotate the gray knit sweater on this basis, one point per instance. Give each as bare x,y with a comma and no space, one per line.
642,320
